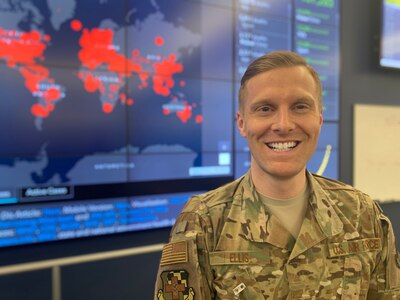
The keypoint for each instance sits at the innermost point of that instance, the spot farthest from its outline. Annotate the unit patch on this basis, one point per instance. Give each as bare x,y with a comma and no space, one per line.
175,286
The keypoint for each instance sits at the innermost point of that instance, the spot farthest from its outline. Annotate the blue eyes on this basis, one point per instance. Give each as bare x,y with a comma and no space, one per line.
265,109
301,107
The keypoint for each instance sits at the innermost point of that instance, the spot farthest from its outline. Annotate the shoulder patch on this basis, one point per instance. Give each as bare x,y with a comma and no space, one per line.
175,286
174,253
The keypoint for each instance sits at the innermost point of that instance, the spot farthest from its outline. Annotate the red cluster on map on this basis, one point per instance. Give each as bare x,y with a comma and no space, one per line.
104,70
99,53
22,51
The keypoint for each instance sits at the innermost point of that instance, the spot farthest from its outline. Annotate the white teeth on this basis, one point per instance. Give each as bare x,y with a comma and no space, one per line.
282,146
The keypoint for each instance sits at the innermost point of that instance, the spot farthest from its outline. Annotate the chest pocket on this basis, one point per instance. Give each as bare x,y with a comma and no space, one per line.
237,274
357,258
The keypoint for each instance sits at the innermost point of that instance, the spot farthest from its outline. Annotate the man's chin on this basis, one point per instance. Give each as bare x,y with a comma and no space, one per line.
281,173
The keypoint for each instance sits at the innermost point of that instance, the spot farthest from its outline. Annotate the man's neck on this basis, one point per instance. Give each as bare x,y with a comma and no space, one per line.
279,188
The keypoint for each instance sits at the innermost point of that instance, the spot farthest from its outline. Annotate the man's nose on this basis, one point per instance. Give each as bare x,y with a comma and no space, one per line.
283,121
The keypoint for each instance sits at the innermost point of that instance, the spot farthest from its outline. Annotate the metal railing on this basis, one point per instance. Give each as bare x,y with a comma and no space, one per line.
55,264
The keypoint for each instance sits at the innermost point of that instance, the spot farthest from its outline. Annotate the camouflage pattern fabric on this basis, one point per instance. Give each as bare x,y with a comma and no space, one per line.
230,247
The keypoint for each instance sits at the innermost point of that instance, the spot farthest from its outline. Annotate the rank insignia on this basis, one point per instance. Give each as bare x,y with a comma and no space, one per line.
175,286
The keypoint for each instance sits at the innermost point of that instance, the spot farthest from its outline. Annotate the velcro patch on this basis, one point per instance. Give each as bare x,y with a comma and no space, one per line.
175,286
239,258
174,253
356,246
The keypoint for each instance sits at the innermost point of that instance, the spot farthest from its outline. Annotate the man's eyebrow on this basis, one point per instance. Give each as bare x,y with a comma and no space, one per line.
264,101
306,99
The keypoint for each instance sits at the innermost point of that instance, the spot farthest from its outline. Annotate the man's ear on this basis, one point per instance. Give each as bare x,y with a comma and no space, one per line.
240,124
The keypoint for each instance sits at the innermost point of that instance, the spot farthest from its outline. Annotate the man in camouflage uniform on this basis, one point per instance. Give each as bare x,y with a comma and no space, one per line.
245,241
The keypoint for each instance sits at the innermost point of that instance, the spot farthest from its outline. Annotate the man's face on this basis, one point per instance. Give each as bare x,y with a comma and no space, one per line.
281,119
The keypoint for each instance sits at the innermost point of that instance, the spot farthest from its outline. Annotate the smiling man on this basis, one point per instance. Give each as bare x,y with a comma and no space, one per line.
280,232
281,117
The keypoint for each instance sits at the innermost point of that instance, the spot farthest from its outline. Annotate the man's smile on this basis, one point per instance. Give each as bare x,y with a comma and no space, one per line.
283,146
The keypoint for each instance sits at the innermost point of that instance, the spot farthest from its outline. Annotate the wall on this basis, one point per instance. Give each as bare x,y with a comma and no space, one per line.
363,81
132,277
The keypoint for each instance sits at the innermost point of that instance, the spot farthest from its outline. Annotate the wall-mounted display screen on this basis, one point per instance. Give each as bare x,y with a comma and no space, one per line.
114,112
389,54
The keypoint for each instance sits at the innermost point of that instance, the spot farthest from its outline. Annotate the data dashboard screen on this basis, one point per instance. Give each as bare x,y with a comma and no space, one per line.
114,113
389,55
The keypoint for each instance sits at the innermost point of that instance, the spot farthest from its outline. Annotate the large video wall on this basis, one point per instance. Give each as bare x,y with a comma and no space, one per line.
113,113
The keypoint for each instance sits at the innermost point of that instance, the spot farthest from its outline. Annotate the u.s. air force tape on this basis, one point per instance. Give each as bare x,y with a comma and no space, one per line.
356,246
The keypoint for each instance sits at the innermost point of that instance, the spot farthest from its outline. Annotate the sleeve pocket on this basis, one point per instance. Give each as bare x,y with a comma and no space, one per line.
393,259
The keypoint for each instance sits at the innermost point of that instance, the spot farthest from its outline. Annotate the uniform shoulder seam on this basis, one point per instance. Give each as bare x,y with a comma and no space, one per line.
332,184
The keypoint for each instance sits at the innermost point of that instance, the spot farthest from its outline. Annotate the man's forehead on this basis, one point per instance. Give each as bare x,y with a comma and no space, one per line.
275,76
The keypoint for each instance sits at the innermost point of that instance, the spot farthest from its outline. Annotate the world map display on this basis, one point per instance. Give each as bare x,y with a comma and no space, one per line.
86,91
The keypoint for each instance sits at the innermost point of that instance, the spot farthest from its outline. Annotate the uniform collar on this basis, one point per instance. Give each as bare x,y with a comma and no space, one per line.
323,209
249,219
323,219
329,216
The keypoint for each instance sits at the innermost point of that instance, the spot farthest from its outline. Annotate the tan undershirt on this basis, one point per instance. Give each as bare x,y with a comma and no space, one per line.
290,212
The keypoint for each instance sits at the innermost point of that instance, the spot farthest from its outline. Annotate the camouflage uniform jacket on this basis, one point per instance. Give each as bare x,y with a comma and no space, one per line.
226,245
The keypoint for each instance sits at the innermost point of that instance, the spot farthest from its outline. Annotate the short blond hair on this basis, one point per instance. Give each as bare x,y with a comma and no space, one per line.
274,60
